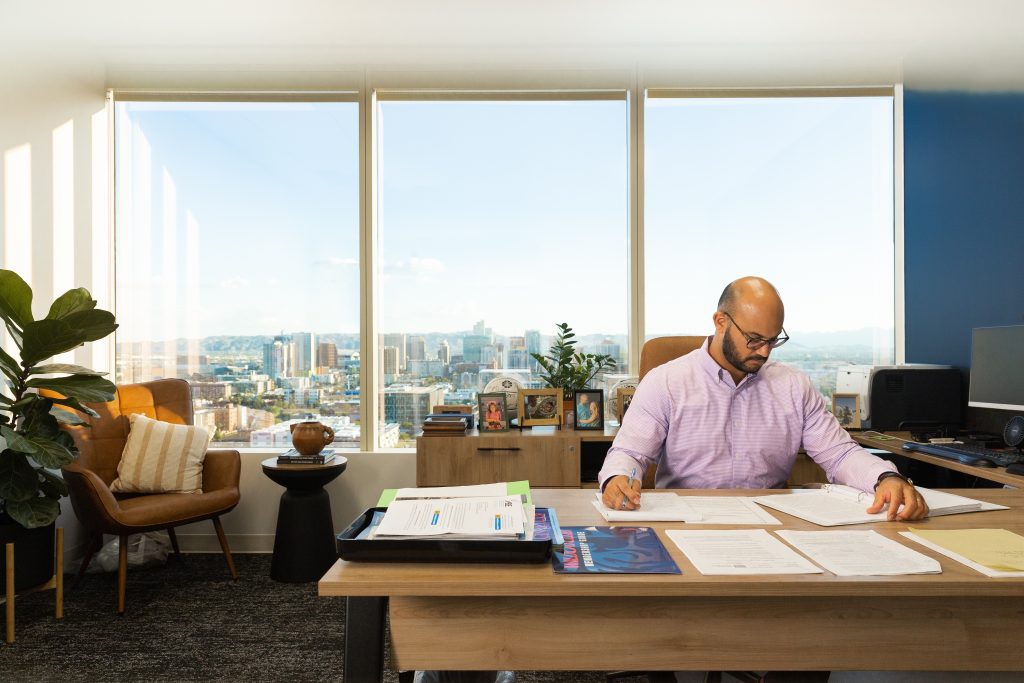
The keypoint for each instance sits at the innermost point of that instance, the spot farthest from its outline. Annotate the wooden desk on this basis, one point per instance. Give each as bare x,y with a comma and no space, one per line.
894,446
510,617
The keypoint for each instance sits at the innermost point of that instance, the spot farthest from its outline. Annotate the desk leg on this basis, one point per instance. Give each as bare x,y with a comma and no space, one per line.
364,638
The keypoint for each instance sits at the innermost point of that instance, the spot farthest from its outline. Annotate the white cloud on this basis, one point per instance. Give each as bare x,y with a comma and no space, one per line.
235,282
342,262
419,266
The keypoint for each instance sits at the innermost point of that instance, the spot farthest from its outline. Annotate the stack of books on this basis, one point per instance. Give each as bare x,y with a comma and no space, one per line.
447,424
293,457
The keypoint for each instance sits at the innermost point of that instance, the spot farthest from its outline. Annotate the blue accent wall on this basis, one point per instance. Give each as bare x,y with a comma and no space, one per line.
963,220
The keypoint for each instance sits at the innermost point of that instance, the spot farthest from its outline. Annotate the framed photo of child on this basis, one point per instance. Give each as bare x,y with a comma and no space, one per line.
539,407
493,412
589,409
625,397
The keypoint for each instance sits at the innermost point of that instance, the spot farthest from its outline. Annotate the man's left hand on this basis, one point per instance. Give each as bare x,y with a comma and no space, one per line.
892,492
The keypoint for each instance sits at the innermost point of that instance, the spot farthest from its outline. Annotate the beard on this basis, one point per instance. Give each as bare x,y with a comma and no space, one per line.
749,364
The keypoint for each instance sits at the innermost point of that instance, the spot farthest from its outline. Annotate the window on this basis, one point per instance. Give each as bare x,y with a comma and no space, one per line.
796,189
237,246
497,220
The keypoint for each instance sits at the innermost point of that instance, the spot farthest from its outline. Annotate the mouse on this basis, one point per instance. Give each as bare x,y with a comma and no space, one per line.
981,462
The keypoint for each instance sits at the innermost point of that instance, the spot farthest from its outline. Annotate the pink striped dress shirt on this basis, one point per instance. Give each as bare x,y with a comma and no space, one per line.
707,432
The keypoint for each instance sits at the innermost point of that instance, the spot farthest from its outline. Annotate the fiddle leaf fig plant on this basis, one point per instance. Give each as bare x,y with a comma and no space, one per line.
565,367
33,442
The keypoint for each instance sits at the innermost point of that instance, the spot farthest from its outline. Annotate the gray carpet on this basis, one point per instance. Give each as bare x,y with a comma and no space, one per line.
188,621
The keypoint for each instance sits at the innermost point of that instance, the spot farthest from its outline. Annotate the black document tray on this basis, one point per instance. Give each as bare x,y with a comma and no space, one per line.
435,550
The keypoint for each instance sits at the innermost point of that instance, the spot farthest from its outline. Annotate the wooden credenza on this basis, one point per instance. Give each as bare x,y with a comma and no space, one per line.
546,456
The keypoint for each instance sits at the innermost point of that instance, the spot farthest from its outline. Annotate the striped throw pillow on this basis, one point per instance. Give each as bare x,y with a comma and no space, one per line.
160,457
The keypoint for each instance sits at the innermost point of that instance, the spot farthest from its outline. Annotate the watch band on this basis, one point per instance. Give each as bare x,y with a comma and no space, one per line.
886,475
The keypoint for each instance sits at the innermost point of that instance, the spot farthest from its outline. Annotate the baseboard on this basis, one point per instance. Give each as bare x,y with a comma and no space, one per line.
239,543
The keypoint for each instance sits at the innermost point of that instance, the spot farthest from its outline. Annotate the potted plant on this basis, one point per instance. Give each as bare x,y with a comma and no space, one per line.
566,368
33,442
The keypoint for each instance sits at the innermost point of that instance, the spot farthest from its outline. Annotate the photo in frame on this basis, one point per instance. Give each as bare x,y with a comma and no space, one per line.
493,412
539,407
589,404
625,397
846,408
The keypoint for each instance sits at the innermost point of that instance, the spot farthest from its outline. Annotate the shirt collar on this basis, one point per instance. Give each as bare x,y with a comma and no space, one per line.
716,371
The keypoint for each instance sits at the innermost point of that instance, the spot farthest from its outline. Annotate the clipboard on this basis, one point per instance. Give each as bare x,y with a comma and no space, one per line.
354,549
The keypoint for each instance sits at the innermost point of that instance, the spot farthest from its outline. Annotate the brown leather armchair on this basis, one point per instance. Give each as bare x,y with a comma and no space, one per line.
102,511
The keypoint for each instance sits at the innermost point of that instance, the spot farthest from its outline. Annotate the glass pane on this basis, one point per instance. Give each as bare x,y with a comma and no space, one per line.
797,190
237,261
497,220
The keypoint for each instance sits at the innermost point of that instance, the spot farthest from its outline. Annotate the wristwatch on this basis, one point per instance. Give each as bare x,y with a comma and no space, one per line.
886,475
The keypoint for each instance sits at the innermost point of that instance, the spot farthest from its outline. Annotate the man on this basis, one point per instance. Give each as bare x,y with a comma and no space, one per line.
724,416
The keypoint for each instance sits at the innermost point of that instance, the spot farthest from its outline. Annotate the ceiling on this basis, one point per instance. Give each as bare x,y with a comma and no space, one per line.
924,43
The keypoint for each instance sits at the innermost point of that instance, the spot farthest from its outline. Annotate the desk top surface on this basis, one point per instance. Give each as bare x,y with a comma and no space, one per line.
575,509
893,443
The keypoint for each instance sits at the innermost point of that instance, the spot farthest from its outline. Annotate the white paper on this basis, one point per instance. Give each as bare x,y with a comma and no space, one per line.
654,507
474,491
462,517
733,552
987,571
834,505
729,510
860,553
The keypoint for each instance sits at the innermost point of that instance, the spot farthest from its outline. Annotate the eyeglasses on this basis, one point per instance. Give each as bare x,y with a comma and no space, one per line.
754,343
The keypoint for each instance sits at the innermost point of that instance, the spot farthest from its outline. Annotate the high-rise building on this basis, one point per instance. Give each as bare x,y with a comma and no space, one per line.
444,352
277,357
471,345
303,353
398,341
517,355
390,361
480,330
327,355
532,346
608,347
416,349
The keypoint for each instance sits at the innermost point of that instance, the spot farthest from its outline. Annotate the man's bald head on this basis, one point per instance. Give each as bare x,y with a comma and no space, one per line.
751,291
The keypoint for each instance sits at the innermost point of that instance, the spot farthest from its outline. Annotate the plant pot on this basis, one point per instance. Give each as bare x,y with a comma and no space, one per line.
33,553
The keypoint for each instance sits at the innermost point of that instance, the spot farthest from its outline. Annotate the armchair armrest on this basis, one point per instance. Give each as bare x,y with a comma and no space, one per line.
91,497
221,470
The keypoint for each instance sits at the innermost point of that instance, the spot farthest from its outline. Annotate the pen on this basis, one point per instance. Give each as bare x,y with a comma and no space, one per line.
629,484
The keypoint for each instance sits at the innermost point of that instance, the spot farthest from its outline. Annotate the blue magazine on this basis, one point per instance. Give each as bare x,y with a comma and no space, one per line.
612,550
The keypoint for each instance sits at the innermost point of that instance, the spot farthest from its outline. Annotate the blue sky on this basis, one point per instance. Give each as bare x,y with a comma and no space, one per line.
514,212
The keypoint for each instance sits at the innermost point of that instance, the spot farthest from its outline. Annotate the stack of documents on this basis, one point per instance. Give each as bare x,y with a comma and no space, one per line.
834,504
993,552
670,507
483,512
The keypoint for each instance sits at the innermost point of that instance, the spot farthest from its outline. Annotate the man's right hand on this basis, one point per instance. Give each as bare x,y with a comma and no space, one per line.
620,496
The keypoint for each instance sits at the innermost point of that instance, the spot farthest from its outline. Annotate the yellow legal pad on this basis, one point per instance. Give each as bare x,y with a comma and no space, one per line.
997,549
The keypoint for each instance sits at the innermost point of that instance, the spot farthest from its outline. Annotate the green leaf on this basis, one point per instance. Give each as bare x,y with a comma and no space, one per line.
67,417
82,387
94,324
18,479
10,367
52,485
15,299
77,405
34,513
71,301
63,367
46,338
51,454
16,442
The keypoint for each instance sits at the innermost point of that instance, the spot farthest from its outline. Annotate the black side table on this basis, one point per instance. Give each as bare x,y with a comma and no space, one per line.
304,541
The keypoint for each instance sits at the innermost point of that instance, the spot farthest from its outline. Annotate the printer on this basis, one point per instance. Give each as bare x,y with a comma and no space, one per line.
912,397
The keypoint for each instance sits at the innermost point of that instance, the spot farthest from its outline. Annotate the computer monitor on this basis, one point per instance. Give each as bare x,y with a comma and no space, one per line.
997,368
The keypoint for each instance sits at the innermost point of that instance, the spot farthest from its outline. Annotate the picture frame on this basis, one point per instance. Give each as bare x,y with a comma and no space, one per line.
625,396
846,409
496,420
588,406
538,407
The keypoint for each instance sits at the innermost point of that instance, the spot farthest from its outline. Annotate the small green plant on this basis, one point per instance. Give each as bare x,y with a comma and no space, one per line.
34,443
564,367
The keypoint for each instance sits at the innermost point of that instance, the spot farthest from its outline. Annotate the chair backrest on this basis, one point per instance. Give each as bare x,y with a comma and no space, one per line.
100,447
660,350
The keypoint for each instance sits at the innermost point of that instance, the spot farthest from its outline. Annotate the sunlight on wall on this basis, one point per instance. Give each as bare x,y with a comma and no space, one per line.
18,211
63,254
192,302
100,287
